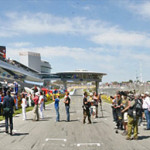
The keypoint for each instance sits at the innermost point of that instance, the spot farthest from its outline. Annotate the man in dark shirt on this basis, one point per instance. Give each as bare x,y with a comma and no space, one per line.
86,110
8,105
67,105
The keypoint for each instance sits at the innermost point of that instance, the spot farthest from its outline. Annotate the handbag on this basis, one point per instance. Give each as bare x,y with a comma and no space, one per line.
6,111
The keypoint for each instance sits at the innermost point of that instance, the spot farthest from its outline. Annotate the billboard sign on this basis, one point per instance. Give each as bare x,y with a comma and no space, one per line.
3,52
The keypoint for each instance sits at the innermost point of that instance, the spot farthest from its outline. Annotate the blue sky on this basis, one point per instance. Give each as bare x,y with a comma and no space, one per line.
110,36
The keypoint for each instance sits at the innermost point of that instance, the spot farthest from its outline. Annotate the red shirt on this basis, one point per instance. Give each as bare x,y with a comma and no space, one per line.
2,98
36,99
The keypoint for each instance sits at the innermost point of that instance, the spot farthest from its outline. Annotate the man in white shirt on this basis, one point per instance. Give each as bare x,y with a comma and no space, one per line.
146,107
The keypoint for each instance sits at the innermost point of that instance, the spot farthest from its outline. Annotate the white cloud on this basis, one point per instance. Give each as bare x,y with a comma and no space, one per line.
122,38
97,31
19,44
141,8
116,64
78,55
41,23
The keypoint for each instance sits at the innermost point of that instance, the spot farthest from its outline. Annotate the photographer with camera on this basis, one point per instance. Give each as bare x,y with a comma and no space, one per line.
134,112
86,109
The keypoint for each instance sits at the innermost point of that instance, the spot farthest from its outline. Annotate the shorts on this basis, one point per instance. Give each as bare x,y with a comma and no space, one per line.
125,117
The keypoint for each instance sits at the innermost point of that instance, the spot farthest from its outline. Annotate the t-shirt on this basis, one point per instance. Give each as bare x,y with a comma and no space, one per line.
95,101
124,102
67,99
41,99
91,101
56,104
24,103
36,99
86,105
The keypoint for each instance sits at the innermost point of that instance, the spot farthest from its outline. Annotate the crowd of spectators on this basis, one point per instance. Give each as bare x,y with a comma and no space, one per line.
129,109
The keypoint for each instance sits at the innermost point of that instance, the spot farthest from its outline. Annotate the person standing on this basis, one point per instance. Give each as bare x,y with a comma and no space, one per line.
0,104
29,99
67,105
41,101
16,88
56,104
86,109
45,99
36,111
146,108
92,104
16,101
133,117
124,112
96,99
8,111
24,105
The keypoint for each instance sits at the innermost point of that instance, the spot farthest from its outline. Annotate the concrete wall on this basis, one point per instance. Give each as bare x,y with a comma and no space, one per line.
34,62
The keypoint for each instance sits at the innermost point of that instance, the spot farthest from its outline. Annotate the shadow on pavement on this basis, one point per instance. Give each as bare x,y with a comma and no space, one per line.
74,120
48,117
43,120
2,125
143,137
16,116
73,112
103,116
47,109
94,122
69,121
29,119
20,134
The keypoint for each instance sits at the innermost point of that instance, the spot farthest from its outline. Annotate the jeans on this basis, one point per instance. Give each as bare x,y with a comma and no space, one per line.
41,111
57,113
114,114
10,117
86,113
147,115
68,113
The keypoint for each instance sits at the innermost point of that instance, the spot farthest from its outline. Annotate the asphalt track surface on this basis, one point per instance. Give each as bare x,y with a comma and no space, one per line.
47,134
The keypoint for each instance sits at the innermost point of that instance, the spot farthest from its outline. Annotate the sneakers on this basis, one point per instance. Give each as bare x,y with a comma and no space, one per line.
11,132
124,133
6,132
135,138
128,138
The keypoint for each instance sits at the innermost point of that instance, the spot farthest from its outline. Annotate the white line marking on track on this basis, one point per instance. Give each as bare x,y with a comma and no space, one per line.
55,139
88,144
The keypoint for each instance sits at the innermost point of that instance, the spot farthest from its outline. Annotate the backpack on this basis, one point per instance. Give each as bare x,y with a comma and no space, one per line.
136,110
6,111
